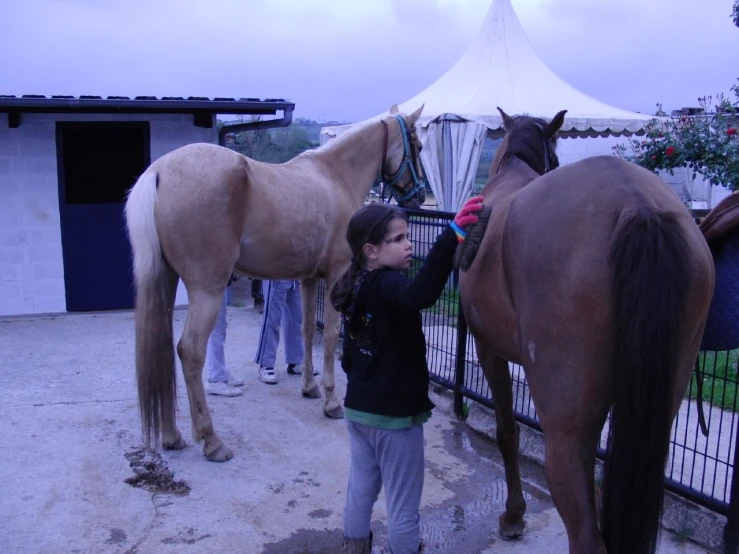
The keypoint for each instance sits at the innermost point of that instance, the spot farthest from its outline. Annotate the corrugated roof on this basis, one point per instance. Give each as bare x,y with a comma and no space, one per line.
36,103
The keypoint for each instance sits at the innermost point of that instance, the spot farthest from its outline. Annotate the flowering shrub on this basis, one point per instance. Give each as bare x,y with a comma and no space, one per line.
706,143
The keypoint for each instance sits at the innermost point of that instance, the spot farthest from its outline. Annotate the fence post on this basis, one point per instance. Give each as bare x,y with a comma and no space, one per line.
731,531
461,356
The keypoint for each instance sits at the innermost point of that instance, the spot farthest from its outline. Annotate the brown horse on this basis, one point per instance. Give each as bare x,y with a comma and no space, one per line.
203,211
594,278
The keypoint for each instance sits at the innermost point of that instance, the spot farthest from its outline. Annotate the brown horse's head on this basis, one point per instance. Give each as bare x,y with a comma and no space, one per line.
401,168
530,139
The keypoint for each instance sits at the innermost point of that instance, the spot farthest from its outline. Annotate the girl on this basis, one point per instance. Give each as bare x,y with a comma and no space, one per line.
384,357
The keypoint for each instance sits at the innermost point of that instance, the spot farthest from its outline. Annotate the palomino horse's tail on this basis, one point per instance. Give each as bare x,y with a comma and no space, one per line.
651,281
155,291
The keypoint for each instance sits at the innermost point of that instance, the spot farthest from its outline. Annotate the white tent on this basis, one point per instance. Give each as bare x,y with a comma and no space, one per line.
500,68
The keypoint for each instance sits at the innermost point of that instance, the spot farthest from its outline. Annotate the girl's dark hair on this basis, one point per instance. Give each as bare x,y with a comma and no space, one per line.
367,225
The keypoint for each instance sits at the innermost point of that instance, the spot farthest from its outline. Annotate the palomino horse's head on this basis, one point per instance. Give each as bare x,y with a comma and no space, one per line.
401,171
530,139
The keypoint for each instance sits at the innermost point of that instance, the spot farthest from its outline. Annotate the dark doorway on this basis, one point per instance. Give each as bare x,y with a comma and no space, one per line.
97,164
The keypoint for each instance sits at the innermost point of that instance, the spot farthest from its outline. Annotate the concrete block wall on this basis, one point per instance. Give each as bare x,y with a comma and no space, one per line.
31,261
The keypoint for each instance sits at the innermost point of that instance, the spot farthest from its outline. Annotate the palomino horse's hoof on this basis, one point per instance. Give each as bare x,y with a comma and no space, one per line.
335,413
221,454
315,392
179,444
511,531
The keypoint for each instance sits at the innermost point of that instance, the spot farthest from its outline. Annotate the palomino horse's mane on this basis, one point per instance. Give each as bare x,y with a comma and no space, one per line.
528,142
358,128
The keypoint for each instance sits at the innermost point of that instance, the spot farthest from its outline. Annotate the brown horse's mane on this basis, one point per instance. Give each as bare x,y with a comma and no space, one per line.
527,142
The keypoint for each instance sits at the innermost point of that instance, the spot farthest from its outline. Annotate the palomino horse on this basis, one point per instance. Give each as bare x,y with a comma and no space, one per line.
595,279
203,211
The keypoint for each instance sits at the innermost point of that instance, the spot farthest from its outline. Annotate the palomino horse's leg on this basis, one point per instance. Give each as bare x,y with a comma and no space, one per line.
171,436
570,464
201,317
308,289
511,522
331,406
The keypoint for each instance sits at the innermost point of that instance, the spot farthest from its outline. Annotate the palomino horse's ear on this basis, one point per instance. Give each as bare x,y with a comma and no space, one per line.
394,109
555,124
415,115
507,120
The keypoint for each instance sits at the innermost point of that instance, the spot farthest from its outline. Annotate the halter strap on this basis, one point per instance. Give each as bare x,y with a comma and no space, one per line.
407,163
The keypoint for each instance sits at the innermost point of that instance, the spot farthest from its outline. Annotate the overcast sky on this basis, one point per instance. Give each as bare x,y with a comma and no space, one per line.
351,59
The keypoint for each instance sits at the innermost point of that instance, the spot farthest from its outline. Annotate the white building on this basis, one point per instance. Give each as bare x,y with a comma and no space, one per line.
66,164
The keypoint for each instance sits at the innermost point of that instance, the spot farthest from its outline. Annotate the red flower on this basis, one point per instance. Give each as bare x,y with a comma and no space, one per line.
669,151
653,158
731,131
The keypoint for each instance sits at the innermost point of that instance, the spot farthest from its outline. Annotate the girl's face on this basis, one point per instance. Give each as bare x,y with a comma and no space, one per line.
394,252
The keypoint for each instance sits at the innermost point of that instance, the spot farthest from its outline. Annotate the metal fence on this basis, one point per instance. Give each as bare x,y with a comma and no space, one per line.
700,469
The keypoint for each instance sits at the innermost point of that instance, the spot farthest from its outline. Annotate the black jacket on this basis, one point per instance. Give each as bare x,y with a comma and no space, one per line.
384,352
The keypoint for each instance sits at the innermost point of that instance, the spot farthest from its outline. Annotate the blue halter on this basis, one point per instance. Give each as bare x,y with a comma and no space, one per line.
391,181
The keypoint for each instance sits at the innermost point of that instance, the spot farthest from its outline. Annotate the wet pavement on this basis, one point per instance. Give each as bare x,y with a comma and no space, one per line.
75,479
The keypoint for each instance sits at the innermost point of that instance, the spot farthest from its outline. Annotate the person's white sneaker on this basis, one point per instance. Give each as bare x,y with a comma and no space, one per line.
222,388
235,381
267,375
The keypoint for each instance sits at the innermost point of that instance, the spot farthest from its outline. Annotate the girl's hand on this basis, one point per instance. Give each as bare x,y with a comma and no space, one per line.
467,215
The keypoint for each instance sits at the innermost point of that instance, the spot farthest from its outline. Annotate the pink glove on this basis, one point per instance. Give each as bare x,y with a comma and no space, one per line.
466,216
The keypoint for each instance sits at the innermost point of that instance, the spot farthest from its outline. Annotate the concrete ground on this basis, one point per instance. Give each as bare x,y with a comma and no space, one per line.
69,420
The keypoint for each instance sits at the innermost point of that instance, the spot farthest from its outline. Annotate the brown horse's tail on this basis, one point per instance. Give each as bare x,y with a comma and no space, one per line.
651,282
156,285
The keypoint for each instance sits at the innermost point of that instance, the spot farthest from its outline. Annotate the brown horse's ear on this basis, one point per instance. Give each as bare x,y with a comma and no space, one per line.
555,124
507,120
414,116
394,109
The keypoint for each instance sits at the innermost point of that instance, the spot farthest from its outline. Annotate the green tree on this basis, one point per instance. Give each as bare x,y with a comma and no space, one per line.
276,145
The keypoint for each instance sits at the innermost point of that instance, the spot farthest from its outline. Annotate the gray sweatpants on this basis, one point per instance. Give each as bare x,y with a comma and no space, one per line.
393,459
282,308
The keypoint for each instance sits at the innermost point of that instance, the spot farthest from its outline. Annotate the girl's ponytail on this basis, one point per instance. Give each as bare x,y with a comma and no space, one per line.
341,294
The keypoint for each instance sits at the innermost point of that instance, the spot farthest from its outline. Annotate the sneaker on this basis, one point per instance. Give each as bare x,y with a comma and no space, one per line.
235,381
222,388
297,369
267,375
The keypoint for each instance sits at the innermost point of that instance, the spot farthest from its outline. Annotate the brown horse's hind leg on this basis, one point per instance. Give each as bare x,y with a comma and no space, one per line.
201,316
511,522
570,462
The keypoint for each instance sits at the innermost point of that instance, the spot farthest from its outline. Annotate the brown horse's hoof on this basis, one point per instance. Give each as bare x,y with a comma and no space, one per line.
314,392
335,413
221,454
510,531
179,444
